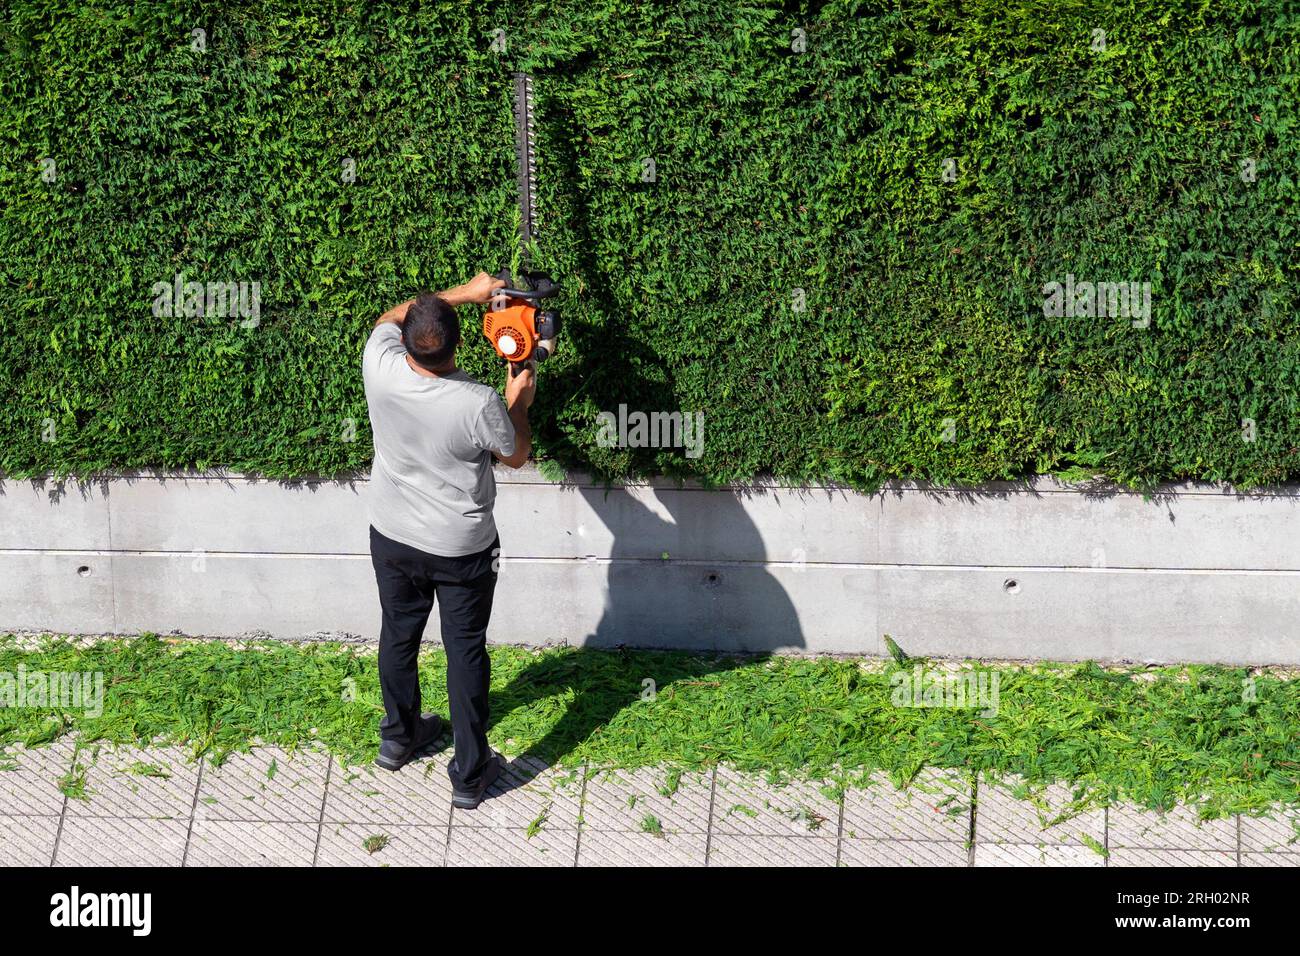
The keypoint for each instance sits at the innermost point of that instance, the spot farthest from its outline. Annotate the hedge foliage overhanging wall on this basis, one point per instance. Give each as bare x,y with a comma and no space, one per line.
839,259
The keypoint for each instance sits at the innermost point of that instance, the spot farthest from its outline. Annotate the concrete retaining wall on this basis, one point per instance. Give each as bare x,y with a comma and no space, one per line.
1038,570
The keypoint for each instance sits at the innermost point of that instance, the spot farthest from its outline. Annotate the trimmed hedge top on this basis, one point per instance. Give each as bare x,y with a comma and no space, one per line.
827,227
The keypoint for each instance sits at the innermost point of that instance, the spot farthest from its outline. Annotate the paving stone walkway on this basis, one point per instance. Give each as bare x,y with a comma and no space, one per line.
155,807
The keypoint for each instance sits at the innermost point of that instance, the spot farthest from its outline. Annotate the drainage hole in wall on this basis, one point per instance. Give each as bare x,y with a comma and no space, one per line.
711,579
1011,585
84,571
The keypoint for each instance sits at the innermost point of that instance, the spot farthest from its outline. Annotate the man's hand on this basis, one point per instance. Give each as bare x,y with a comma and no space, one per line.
477,290
521,388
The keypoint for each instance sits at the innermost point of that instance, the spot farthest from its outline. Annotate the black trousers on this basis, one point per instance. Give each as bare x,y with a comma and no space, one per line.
409,579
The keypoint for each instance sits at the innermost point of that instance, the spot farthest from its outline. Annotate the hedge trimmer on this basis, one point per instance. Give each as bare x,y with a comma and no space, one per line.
519,330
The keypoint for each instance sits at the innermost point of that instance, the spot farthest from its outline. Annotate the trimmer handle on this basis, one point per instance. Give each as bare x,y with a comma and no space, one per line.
545,286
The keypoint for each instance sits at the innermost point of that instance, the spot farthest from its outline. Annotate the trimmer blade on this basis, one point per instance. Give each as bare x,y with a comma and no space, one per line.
526,162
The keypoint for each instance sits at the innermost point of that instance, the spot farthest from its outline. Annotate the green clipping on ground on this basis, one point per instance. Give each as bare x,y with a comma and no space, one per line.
1227,739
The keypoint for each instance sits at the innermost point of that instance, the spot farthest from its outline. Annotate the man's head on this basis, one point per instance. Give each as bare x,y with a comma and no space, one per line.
431,332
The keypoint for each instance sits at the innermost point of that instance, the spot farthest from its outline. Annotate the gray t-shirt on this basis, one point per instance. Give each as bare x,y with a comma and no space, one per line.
431,485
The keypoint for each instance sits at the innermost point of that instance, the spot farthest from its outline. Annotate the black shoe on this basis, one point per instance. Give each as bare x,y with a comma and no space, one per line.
394,757
469,799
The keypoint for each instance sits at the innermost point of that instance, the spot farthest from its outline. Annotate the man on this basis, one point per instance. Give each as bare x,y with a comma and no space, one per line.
431,529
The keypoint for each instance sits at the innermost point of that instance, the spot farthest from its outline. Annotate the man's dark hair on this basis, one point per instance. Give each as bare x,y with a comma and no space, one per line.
431,331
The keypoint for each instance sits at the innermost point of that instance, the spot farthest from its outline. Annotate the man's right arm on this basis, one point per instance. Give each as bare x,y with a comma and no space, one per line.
478,289
520,390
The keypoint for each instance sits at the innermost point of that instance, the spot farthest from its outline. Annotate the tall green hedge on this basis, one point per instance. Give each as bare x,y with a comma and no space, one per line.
839,258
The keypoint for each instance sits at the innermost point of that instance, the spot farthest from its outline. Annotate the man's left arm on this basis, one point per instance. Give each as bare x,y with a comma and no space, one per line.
477,290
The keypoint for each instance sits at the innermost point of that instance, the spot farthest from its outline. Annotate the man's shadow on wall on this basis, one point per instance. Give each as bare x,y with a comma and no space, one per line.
734,607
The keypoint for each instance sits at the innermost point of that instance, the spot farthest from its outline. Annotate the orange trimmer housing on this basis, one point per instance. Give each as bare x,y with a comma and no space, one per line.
519,329
513,330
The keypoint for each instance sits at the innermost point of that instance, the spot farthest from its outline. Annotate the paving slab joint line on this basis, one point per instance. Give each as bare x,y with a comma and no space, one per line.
63,812
451,820
970,828
324,799
1105,835
708,825
194,807
1238,816
582,806
839,830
